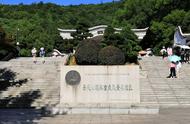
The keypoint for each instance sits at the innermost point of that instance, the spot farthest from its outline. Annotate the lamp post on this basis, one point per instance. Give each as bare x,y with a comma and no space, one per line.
113,10
17,31
17,42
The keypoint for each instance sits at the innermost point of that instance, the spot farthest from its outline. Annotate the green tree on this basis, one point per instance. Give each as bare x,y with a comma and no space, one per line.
7,50
38,23
130,45
110,37
161,33
87,52
126,40
82,31
111,55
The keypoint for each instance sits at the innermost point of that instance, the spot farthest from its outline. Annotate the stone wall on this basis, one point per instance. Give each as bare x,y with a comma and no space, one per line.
99,84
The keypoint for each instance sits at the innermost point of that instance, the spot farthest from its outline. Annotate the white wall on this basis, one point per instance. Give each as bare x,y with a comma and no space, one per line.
122,84
66,34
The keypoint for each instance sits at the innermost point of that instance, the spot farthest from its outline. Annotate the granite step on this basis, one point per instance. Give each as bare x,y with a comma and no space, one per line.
155,86
44,78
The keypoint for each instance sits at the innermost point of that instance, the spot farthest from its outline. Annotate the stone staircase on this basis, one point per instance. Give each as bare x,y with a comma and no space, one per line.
43,81
158,90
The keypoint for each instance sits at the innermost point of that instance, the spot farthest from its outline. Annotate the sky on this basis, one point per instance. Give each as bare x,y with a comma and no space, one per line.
59,2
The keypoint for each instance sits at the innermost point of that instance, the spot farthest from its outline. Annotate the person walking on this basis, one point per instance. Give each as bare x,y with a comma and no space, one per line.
163,52
34,51
182,55
172,70
169,51
42,54
187,56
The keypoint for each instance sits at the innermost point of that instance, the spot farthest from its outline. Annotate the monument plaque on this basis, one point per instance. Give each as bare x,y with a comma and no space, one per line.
72,77
94,85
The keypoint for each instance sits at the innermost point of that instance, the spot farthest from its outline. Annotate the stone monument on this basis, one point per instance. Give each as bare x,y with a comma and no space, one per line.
102,89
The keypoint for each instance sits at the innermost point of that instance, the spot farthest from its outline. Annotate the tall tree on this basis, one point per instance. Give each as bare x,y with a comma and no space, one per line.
82,30
7,50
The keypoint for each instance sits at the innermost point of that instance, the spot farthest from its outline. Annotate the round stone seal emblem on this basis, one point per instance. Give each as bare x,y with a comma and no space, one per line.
73,77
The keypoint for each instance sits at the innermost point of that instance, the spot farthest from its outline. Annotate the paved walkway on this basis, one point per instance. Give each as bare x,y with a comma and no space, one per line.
166,116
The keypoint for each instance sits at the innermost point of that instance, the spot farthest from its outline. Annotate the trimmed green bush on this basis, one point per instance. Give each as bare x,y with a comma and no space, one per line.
111,55
131,57
87,52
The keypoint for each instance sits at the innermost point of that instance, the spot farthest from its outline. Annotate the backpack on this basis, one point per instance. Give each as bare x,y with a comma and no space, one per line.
42,53
164,52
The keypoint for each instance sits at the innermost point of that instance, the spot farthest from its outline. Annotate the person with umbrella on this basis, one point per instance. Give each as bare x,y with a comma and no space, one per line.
173,60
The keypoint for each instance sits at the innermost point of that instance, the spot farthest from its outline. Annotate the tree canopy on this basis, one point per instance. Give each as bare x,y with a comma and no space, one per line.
161,16
7,49
38,22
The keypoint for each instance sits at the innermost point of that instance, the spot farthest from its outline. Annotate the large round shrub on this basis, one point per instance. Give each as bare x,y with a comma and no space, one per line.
87,52
111,55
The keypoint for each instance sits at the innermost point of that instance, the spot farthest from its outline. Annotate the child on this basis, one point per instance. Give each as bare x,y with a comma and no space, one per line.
172,70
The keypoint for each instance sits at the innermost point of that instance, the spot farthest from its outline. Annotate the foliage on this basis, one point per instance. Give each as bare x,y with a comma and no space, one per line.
161,33
111,55
38,23
161,16
140,13
7,50
111,37
82,31
65,46
87,52
126,40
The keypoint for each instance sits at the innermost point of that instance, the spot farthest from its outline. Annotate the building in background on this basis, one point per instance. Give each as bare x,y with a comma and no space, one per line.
180,39
99,30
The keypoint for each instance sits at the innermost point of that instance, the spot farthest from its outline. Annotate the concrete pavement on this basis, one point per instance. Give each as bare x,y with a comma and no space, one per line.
166,116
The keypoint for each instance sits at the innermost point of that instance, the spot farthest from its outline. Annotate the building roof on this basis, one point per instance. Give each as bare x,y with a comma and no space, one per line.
141,29
185,35
67,30
96,27
102,26
180,38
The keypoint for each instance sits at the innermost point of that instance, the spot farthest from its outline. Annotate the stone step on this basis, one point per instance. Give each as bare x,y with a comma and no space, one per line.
43,77
157,87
